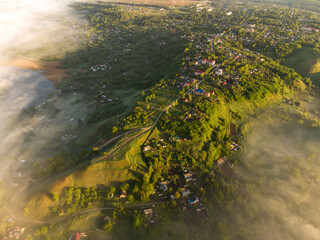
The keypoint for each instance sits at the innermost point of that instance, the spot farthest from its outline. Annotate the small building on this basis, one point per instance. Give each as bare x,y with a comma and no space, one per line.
193,201
123,194
147,148
221,160
251,25
198,91
148,212
21,162
198,73
310,29
177,139
187,176
185,192
164,185
219,72
208,94
207,61
79,236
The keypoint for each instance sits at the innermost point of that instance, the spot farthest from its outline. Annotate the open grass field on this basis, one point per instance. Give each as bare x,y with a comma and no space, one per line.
303,61
83,223
127,164
316,67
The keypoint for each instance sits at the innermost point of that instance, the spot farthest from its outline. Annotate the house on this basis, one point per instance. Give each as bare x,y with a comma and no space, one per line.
211,62
229,13
235,146
79,236
148,212
187,176
185,84
193,201
219,72
198,91
147,148
177,138
310,29
21,162
123,194
207,61
164,185
15,233
221,160
19,229
208,94
199,72
185,192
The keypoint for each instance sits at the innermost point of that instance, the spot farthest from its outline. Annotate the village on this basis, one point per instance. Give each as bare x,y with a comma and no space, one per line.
218,66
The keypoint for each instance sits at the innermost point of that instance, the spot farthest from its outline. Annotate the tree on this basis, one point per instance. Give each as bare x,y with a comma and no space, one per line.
114,129
131,198
41,231
177,195
108,226
112,190
299,85
138,219
55,197
26,212
124,186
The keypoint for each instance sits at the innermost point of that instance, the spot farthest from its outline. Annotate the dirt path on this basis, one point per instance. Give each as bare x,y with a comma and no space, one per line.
50,179
65,173
60,219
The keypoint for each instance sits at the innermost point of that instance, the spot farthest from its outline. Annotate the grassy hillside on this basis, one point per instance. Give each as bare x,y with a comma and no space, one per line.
305,62
109,171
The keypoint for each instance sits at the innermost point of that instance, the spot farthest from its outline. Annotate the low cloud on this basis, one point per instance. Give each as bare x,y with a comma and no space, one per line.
27,25
278,195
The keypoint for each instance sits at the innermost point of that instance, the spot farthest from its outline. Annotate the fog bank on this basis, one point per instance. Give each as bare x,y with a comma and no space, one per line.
274,192
30,30
29,25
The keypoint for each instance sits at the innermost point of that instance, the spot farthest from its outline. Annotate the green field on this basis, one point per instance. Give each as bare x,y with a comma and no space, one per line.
302,61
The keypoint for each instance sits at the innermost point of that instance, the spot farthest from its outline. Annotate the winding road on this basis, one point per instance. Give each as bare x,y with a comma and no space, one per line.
69,171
